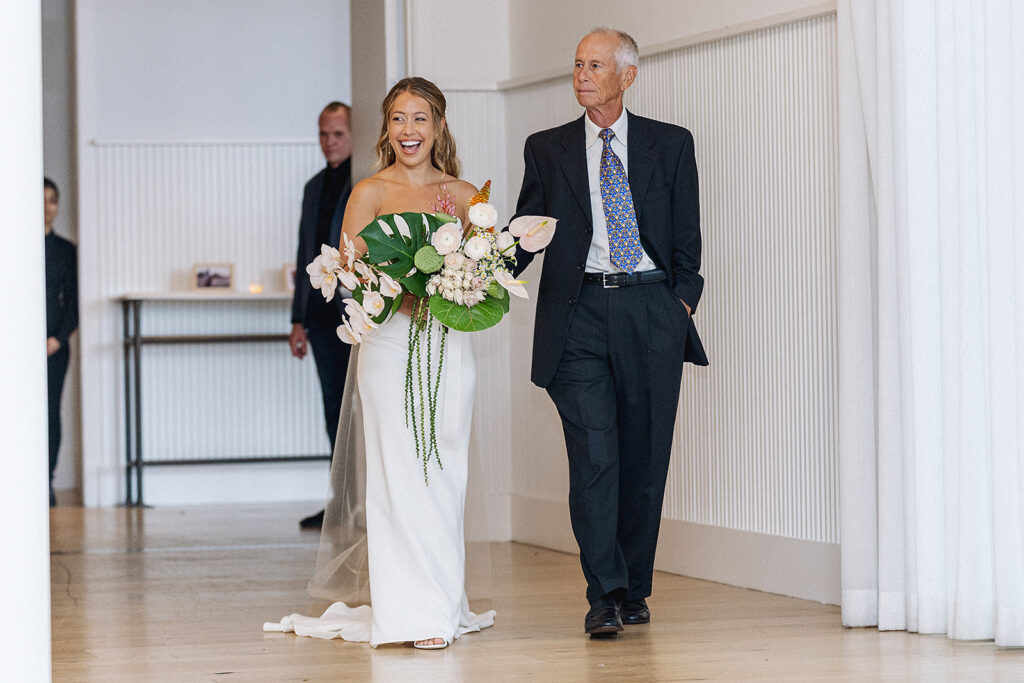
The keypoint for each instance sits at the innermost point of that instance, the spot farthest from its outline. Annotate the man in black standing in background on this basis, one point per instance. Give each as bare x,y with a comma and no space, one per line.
314,320
61,315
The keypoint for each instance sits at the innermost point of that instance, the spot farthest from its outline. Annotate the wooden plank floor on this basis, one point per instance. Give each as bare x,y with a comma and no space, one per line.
181,595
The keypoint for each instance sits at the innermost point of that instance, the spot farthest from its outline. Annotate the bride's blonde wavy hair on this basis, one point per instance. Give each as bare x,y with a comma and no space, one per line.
442,155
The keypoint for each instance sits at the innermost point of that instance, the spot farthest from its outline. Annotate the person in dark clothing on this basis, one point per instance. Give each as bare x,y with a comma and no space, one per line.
61,314
314,320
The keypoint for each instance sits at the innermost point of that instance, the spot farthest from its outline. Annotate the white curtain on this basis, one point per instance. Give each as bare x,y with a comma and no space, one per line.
931,316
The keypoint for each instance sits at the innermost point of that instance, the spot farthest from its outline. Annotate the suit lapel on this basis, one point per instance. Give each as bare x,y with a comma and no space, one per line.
339,215
574,165
641,161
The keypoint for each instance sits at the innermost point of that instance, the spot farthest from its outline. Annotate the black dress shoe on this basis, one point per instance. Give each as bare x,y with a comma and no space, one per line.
603,618
313,521
634,612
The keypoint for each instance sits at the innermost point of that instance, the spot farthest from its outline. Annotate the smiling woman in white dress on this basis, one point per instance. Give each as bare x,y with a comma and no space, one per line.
414,534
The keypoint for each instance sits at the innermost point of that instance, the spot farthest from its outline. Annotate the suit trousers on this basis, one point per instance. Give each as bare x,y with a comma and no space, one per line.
331,356
617,392
56,372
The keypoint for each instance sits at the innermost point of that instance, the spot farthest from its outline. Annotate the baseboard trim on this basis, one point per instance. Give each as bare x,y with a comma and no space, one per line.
774,564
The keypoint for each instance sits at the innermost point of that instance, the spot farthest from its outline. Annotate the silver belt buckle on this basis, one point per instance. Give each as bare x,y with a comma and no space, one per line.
604,281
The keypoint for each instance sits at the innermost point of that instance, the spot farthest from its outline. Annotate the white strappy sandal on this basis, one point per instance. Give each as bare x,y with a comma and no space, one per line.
426,645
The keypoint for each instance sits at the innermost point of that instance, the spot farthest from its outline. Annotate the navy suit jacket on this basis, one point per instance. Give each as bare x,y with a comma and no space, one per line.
663,180
308,248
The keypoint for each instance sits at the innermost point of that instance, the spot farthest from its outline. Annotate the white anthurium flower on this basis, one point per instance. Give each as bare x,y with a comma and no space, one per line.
447,238
347,334
505,240
388,287
366,272
483,215
534,232
477,248
454,260
348,280
505,279
373,303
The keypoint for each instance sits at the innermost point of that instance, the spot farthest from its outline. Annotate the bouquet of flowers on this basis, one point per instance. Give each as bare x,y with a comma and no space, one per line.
460,277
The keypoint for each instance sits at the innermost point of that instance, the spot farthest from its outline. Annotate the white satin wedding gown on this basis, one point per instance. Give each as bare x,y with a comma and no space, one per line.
414,539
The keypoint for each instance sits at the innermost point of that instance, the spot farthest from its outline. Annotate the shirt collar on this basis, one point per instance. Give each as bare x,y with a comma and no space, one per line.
620,128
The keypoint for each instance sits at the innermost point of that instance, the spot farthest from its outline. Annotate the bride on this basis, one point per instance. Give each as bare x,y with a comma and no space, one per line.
413,544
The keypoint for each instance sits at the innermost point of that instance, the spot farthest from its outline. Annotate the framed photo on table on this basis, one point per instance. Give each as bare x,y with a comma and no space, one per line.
288,275
213,276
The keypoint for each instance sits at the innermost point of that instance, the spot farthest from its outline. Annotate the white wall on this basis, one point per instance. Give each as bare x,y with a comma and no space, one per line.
198,70
460,44
543,34
24,522
197,130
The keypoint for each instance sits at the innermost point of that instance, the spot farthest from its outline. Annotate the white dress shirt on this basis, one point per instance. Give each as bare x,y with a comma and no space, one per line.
598,259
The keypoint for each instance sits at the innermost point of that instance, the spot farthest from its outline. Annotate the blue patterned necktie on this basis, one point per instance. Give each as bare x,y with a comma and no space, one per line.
623,236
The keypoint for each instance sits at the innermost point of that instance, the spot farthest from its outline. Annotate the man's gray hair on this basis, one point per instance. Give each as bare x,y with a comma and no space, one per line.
627,53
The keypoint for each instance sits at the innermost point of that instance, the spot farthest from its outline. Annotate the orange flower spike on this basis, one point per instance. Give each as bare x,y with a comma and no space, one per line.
483,195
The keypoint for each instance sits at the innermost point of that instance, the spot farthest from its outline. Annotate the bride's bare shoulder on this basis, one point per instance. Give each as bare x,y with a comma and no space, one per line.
461,191
368,195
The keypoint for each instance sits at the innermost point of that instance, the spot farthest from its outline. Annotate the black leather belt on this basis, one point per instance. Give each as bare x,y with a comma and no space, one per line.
607,280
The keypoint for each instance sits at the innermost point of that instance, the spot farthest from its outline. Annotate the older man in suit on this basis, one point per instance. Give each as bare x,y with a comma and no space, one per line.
619,286
314,320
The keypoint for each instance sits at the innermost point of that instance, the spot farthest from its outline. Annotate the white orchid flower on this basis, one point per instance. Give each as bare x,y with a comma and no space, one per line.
477,248
447,238
373,303
505,279
366,272
534,232
348,251
322,274
347,334
358,319
348,280
483,215
388,287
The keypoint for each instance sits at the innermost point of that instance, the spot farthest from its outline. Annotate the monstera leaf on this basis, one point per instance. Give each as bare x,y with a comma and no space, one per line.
392,241
485,314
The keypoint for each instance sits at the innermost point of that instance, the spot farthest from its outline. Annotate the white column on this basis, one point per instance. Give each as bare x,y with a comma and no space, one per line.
378,55
24,516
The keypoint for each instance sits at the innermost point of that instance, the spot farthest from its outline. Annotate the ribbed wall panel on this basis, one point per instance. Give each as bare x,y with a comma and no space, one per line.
161,208
755,446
